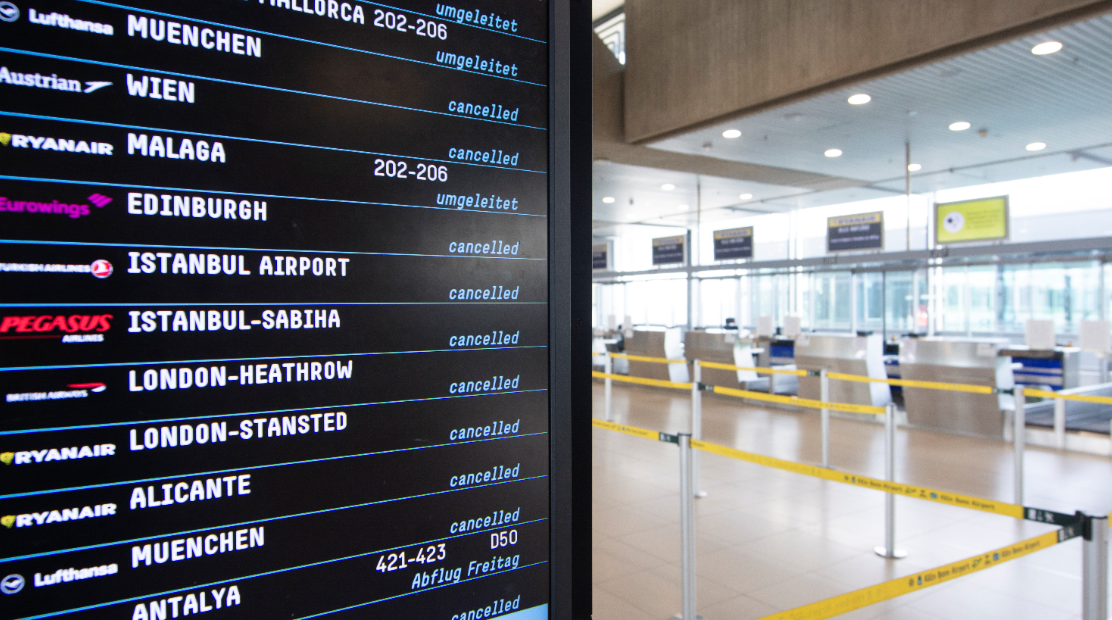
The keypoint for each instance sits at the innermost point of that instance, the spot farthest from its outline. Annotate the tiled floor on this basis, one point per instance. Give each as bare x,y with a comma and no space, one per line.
768,540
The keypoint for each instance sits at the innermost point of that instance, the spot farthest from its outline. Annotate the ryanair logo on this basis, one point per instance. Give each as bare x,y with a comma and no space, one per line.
38,143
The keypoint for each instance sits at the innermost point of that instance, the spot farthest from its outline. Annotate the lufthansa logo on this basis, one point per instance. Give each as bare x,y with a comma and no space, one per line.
8,12
11,584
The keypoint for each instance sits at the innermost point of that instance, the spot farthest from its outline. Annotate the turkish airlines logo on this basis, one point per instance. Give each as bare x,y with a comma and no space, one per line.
99,268
67,328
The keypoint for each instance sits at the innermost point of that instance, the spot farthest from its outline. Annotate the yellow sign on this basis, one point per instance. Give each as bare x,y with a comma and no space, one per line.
677,240
734,232
855,220
971,220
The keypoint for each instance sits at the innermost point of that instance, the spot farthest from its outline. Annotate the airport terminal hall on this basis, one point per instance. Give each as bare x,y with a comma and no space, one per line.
851,298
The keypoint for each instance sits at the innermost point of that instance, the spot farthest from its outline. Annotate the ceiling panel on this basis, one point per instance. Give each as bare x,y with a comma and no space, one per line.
1015,97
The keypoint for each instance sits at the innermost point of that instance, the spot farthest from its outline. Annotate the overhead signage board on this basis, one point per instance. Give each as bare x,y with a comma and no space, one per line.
864,231
600,257
985,219
669,250
733,244
276,332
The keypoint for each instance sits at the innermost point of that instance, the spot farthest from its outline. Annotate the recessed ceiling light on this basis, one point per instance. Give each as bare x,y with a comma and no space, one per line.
911,168
746,196
1049,47
683,207
833,153
731,133
1036,146
859,99
667,187
959,126
608,199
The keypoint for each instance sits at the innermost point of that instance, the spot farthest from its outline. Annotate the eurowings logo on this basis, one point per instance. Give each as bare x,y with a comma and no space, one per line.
54,207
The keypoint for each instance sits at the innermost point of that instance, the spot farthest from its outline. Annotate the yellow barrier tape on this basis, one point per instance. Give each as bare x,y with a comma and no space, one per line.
799,402
927,385
642,358
758,369
1102,400
641,381
643,433
912,583
895,488
906,490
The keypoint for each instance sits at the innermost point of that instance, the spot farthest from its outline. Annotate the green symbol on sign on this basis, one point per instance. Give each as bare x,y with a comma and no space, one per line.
920,580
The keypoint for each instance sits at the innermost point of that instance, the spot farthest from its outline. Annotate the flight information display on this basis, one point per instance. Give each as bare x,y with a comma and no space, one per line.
274,310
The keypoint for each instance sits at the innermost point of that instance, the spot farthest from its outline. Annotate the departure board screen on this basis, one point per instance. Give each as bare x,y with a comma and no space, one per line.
274,292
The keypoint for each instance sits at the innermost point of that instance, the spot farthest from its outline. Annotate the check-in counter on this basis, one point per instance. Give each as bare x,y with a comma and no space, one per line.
845,353
976,362
1058,368
724,347
657,342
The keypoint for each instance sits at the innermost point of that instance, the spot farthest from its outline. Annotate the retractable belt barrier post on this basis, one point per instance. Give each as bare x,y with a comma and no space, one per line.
687,529
1019,441
1059,423
608,389
824,396
889,549
696,423
1094,567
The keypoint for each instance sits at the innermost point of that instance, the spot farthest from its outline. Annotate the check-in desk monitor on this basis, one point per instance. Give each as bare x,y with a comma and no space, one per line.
1057,369
975,362
275,318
